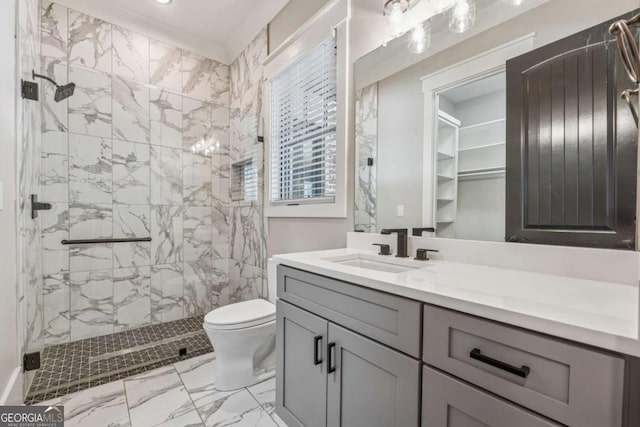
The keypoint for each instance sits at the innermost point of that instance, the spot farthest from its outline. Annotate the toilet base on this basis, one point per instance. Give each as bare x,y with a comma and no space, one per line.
244,357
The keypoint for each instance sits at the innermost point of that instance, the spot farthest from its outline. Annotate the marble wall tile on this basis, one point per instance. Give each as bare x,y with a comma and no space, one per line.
366,147
54,30
246,282
220,232
54,167
90,169
247,235
196,124
196,76
91,222
166,176
90,109
131,221
200,286
54,227
90,43
165,66
220,180
130,55
131,173
130,110
91,304
220,83
56,300
55,115
131,297
220,116
166,234
166,118
197,233
166,293
196,180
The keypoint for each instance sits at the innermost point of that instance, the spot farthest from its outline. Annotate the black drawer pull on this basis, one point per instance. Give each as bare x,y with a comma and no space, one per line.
331,357
317,356
522,372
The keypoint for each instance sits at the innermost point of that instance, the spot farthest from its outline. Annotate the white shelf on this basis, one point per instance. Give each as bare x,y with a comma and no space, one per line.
445,221
444,178
482,147
445,199
444,156
477,125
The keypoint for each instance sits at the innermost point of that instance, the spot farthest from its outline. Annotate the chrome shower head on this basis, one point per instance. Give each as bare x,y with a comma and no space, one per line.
64,92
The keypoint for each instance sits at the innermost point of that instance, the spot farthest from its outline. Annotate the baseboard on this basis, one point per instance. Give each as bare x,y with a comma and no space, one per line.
12,394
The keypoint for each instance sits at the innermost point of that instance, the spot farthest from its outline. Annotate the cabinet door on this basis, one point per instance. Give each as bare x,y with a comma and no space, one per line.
447,402
571,145
301,377
372,385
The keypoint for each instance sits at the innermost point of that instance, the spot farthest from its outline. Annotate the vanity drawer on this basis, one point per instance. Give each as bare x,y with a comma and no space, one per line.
447,402
386,318
570,384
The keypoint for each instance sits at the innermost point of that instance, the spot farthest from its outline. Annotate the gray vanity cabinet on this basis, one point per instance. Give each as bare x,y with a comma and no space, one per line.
329,375
447,402
372,385
301,381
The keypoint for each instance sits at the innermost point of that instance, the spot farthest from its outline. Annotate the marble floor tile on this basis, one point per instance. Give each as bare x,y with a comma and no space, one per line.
198,376
105,405
157,397
236,409
265,394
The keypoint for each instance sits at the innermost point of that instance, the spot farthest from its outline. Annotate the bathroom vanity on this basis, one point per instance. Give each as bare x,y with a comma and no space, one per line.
369,340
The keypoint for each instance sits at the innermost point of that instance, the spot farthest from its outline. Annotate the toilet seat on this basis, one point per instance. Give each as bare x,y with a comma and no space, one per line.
241,315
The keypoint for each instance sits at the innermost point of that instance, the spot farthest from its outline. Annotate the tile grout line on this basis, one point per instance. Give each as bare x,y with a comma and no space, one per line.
188,393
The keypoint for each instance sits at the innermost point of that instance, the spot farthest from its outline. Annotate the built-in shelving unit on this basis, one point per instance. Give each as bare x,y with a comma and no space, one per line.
447,173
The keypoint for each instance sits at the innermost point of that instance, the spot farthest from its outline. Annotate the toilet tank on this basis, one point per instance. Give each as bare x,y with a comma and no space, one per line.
272,280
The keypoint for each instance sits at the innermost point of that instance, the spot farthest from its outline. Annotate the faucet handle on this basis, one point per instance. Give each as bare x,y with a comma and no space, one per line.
423,254
384,249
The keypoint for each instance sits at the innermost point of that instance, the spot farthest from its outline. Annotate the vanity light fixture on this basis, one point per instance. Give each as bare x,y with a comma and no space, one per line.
420,37
463,16
394,12
513,2
164,2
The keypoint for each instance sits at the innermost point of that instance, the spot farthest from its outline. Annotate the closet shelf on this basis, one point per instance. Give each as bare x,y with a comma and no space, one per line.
481,173
444,177
482,147
445,221
477,125
444,156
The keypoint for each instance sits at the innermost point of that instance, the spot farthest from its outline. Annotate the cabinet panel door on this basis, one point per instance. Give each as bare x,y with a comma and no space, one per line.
301,377
372,385
447,402
571,145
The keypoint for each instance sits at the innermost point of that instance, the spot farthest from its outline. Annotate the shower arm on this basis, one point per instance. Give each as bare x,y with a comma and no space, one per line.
44,77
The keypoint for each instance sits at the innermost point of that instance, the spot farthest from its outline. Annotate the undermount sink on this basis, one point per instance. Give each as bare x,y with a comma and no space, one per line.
377,263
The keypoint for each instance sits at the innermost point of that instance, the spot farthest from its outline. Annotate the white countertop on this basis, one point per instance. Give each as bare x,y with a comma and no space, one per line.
602,314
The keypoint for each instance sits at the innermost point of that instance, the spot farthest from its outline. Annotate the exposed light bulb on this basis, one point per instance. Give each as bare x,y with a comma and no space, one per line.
163,1
463,16
394,11
395,19
420,38
513,2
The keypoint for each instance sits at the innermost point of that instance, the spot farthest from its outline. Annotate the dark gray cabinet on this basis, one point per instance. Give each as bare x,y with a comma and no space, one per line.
301,381
372,385
571,145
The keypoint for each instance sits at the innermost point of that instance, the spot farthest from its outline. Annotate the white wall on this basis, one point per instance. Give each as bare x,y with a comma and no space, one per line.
8,328
290,18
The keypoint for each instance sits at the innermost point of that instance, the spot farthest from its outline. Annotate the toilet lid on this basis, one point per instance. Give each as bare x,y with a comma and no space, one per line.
241,314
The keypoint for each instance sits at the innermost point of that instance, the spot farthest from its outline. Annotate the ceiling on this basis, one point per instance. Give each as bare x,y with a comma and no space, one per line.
219,29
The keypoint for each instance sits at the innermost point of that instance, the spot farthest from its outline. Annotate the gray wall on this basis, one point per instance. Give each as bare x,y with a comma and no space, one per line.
8,326
400,150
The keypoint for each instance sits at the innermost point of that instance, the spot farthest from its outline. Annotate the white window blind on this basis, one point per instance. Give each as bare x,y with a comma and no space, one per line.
303,128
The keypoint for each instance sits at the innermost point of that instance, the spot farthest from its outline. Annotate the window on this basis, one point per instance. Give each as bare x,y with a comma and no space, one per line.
303,128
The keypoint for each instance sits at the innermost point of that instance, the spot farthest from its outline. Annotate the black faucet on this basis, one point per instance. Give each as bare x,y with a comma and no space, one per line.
417,232
402,240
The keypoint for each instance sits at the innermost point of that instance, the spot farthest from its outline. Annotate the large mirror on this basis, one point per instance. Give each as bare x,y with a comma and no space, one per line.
431,119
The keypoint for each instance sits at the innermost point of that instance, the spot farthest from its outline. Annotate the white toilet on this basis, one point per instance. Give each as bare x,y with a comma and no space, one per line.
243,336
